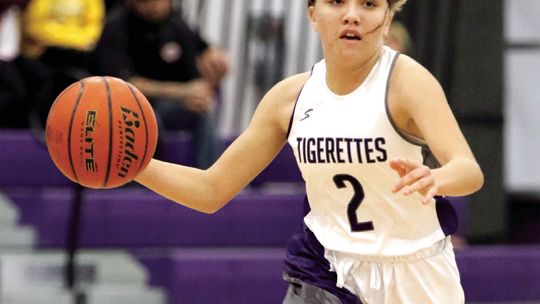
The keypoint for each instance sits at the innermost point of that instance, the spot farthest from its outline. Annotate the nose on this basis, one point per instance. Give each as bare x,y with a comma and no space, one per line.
352,13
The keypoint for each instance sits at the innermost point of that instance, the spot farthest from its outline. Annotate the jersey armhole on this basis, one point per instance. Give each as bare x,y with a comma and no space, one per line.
427,155
296,103
407,137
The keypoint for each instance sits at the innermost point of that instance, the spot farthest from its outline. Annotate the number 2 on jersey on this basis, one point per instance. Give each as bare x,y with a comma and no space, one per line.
355,202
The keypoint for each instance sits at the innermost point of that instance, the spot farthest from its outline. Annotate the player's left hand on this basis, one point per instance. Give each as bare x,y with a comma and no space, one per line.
414,177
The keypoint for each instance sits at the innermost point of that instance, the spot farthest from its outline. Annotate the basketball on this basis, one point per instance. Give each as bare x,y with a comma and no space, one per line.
100,132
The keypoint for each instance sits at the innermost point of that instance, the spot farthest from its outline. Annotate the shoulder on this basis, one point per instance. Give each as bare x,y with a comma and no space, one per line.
410,76
413,93
285,92
290,87
177,20
116,22
280,100
114,30
407,69
411,84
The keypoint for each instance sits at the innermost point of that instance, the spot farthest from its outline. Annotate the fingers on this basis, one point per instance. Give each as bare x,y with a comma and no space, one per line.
198,105
216,67
208,72
197,96
396,166
429,195
405,164
414,177
197,88
213,65
408,170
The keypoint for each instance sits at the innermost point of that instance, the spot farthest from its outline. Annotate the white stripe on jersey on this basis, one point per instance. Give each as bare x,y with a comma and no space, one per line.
343,145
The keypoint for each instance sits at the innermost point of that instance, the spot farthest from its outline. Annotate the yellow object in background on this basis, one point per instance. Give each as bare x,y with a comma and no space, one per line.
71,24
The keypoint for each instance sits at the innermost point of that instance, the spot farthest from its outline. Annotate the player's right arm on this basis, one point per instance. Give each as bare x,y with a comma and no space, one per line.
209,190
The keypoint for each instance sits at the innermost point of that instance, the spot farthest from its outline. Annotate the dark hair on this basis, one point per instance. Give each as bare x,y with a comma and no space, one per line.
395,5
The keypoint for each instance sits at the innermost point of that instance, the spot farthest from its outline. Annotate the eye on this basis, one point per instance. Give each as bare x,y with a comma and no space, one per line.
337,2
370,4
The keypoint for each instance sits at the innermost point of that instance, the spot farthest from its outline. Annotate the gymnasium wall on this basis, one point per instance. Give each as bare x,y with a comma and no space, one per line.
522,108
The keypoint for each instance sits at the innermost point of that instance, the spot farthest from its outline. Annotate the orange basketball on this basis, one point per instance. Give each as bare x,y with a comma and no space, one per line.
100,132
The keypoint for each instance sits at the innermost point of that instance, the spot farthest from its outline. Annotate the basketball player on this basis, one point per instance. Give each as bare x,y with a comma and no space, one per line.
359,124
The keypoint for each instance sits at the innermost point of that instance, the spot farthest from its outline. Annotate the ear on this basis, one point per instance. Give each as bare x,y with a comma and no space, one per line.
312,18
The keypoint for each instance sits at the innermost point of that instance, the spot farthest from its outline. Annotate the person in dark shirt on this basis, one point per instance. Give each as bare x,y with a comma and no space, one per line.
14,99
148,43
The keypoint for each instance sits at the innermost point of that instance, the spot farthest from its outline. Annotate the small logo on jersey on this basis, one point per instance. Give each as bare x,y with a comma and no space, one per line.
306,114
171,52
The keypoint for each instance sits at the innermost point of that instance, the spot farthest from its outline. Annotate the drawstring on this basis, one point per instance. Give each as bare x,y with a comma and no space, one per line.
342,263
343,268
375,280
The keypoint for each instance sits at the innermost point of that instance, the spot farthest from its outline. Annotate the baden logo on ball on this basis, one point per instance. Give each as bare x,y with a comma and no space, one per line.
100,132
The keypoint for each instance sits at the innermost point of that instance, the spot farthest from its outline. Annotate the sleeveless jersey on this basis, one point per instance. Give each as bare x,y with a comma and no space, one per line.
343,145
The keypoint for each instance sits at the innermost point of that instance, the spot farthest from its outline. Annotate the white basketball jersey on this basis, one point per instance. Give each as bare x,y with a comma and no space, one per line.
343,145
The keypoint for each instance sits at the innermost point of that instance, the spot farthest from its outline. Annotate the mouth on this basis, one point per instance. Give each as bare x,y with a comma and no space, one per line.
350,35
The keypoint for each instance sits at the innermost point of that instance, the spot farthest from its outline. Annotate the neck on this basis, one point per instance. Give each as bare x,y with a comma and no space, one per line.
343,78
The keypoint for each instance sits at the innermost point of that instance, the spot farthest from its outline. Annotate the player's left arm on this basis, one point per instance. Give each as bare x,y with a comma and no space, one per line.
422,109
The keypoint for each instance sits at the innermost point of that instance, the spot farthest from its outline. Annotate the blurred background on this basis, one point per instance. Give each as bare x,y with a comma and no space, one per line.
63,244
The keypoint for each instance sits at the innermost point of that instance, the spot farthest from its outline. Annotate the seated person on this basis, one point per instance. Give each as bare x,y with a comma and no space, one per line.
147,43
62,32
57,39
13,92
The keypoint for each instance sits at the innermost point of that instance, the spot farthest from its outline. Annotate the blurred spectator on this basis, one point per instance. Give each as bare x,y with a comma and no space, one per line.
111,4
57,38
13,96
8,4
56,28
148,43
9,31
399,38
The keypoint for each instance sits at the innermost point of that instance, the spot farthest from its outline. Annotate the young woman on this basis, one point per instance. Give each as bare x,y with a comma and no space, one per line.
359,124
